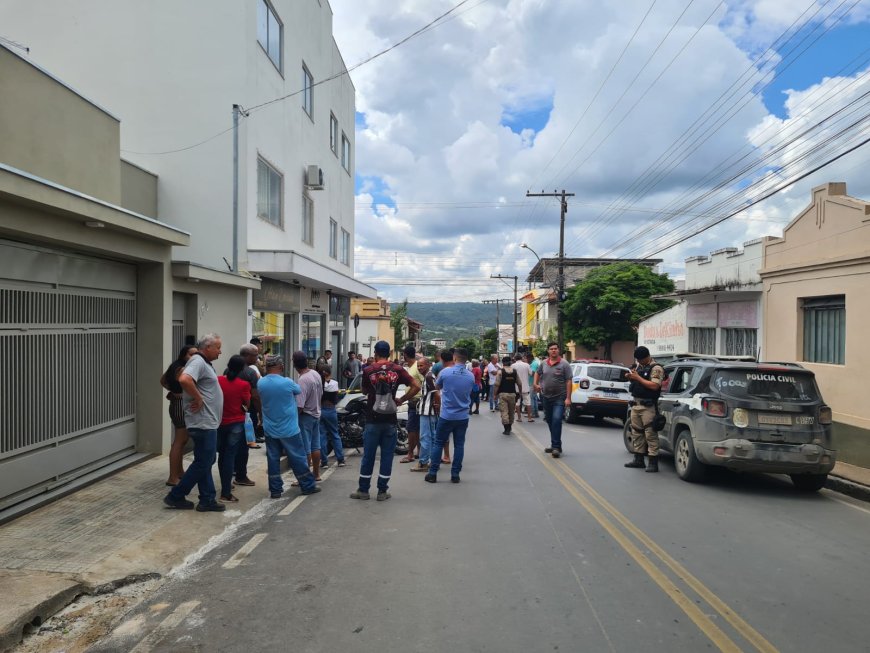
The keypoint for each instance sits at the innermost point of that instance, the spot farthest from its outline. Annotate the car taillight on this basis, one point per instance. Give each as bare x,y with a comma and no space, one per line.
584,384
825,415
714,407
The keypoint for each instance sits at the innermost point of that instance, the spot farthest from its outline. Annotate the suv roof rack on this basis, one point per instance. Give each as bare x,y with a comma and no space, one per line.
710,357
789,363
593,360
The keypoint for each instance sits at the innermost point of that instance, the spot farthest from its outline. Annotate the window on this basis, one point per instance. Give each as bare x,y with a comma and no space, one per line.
702,341
312,332
740,342
307,92
307,220
682,379
333,134
333,238
825,330
345,247
270,185
270,32
345,152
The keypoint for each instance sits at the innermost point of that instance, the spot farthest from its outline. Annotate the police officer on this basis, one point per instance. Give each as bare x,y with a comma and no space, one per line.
645,387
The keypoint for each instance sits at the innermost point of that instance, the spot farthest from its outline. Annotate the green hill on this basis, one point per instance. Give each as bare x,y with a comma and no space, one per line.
453,320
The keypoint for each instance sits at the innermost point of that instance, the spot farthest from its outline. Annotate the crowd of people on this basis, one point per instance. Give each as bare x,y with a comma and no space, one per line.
254,402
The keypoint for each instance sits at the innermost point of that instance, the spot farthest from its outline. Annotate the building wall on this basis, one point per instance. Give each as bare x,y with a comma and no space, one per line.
138,189
825,251
183,91
665,333
729,266
52,132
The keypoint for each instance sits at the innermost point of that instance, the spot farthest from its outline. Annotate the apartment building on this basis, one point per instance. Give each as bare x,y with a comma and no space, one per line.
173,71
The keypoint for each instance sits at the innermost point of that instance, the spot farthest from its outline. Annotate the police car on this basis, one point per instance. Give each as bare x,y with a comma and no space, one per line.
598,389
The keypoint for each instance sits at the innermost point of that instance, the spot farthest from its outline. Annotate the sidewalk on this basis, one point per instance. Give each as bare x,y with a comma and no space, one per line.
114,532
851,480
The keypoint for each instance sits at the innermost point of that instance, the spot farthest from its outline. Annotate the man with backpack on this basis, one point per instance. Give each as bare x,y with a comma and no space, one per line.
507,387
380,382
645,386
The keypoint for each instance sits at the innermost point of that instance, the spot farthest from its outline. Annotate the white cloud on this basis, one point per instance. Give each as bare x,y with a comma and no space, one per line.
433,135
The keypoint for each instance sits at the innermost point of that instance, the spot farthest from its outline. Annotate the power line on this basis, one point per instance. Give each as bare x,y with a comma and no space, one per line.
431,25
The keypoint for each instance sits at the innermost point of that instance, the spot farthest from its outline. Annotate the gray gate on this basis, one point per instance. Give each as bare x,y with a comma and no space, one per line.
67,367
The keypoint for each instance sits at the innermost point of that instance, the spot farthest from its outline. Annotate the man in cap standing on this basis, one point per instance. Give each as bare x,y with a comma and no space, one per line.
380,381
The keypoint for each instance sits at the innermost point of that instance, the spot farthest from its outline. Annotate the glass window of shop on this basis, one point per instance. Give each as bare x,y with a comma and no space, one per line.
269,327
313,326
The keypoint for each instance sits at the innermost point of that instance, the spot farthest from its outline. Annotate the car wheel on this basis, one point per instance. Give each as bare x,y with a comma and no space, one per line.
809,482
626,436
688,467
572,416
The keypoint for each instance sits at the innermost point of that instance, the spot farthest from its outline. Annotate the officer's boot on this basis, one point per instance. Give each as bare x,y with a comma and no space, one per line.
637,463
507,429
653,465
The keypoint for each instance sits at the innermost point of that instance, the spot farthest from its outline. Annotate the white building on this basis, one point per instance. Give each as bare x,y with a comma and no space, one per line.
173,70
722,298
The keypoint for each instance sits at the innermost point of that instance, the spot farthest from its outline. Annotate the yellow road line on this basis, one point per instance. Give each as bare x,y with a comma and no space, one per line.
565,475
737,622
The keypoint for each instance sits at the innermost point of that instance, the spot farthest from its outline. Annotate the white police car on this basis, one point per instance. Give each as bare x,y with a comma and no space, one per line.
599,389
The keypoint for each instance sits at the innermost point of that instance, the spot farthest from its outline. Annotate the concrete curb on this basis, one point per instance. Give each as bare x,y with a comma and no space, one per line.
13,629
847,487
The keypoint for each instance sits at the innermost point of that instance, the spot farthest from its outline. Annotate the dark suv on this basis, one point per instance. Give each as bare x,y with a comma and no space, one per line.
746,416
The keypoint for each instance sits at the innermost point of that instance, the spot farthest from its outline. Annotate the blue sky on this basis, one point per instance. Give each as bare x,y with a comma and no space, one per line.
825,58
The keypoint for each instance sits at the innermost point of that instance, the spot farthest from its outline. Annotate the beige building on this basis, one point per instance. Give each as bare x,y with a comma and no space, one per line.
87,292
816,307
374,325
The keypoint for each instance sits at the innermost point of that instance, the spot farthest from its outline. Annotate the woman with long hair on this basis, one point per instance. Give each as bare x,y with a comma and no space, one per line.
169,380
231,432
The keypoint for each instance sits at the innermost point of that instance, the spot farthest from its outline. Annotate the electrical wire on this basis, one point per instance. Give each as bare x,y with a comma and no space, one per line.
429,26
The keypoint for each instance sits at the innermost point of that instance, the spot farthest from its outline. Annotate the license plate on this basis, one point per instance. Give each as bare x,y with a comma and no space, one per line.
775,419
805,419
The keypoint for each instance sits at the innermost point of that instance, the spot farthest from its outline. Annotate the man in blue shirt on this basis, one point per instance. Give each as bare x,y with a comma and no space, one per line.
455,384
281,424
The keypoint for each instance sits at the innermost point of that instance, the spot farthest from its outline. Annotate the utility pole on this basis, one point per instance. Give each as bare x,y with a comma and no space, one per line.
560,281
497,303
505,276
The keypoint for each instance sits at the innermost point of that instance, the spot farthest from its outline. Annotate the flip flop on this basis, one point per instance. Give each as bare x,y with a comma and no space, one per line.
406,460
530,420
445,460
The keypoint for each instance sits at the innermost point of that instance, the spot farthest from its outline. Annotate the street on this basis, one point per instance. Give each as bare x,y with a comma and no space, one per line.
528,553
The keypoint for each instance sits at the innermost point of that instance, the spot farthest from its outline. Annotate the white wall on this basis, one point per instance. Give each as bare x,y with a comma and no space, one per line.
171,70
729,267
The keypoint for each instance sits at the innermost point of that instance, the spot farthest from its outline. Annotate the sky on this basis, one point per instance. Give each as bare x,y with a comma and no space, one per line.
663,117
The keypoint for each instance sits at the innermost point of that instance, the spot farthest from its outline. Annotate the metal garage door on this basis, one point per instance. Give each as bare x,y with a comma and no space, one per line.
67,367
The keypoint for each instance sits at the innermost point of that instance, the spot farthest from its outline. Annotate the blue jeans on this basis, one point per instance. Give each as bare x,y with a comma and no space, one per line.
310,427
446,427
329,435
554,412
533,397
428,424
374,436
296,456
199,471
229,438
491,398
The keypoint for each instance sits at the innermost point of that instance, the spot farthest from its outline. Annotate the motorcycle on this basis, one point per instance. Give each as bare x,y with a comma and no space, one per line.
352,422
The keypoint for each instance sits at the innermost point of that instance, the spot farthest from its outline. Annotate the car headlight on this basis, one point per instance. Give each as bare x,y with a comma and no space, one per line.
740,417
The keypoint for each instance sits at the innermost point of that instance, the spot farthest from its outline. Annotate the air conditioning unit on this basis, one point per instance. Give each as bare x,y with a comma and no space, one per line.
314,178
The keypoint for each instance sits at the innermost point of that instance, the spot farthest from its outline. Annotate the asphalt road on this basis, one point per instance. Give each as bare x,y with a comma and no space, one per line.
529,553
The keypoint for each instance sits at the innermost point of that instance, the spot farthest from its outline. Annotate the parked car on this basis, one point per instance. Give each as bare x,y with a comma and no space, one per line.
599,389
746,416
351,417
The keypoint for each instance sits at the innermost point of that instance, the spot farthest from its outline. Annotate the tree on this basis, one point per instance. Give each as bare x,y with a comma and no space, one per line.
429,349
605,306
471,345
397,317
539,347
490,343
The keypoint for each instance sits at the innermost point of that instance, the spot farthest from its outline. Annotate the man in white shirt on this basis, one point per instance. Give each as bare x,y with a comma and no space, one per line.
492,369
522,367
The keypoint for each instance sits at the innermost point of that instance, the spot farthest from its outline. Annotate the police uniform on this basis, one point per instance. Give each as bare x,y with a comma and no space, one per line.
644,438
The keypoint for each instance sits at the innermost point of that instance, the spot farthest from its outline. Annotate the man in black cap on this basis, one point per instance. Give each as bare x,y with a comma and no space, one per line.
380,381
645,385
